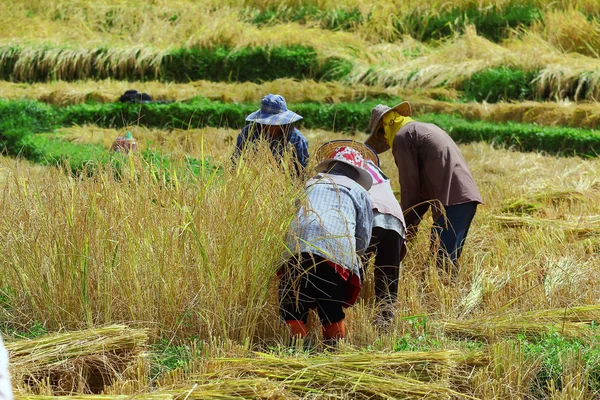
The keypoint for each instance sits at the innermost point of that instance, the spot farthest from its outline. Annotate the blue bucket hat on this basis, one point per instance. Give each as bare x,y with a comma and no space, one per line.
273,111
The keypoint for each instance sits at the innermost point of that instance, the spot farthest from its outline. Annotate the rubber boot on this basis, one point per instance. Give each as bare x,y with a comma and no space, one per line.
297,328
333,332
298,331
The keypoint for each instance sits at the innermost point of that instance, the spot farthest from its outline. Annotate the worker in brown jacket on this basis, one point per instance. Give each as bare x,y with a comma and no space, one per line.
432,172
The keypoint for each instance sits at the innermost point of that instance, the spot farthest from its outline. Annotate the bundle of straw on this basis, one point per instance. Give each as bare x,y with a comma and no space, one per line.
571,322
224,389
582,227
144,396
360,375
536,201
84,360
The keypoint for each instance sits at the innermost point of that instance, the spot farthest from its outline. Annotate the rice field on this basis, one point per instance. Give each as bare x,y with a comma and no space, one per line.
140,279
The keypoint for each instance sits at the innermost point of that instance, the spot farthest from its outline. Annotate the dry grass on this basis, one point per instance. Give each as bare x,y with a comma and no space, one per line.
164,23
208,249
501,267
84,361
546,48
66,93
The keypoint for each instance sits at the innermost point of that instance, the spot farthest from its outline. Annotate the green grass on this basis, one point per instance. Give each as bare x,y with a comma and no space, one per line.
33,117
500,84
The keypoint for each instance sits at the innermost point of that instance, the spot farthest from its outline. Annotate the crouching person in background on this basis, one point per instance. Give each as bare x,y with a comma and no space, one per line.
6,392
332,225
388,244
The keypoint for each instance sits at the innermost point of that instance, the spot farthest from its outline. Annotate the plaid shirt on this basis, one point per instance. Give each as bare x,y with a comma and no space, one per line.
252,133
335,221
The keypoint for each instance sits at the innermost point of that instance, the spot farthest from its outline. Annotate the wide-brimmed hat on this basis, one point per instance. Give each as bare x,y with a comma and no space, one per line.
377,114
273,111
328,149
352,157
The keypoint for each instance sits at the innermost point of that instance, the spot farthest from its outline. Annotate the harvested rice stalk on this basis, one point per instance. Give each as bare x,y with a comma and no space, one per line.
145,396
219,390
81,361
585,314
536,201
362,375
232,388
572,322
582,227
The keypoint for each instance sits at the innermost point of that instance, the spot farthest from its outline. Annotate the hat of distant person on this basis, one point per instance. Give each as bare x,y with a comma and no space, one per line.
352,157
273,111
377,114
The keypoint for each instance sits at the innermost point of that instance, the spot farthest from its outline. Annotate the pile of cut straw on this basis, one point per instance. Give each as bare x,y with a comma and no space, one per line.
362,375
80,361
581,227
571,322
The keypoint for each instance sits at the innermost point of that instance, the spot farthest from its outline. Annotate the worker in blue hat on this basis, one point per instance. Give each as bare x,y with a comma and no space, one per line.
274,122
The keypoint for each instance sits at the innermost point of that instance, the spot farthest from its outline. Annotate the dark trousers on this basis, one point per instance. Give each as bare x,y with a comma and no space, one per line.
387,246
448,233
309,282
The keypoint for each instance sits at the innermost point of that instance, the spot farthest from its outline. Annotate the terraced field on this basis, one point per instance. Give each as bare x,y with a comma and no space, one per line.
154,274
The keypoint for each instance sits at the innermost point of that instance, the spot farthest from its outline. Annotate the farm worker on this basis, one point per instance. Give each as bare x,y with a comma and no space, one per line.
333,224
124,144
388,240
433,171
273,122
6,392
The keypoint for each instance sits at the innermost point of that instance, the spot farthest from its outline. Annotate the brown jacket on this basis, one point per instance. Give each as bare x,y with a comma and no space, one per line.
431,167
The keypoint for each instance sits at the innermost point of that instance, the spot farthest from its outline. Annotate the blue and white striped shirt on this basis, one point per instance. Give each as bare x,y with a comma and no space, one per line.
335,222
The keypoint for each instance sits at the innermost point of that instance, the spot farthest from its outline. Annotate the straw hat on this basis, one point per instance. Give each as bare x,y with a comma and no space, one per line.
352,157
377,114
327,149
273,111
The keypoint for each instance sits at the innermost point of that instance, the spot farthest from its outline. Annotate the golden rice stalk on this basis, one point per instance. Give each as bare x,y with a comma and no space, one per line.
223,389
579,228
533,202
571,322
571,31
144,396
83,360
232,388
363,375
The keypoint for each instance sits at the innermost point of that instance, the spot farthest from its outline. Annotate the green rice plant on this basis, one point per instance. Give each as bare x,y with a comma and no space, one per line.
492,22
334,19
565,363
348,117
245,65
21,119
525,137
218,63
500,84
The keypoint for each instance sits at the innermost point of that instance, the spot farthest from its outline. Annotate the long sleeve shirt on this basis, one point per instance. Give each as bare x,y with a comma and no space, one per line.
292,141
387,212
335,221
430,167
